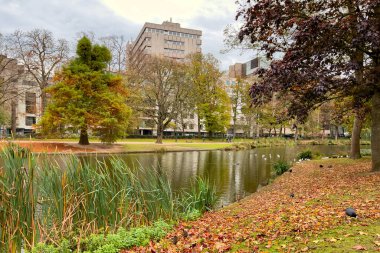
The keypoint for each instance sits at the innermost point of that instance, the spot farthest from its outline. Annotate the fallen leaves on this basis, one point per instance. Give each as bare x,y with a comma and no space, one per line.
359,247
263,220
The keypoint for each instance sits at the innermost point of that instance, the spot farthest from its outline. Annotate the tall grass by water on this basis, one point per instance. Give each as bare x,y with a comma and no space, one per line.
44,199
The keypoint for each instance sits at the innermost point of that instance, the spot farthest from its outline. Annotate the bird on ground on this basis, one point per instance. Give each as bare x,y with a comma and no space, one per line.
175,239
320,166
351,212
290,170
185,233
291,195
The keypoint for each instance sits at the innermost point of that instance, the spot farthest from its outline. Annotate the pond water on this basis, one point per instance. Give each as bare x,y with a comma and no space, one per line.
235,174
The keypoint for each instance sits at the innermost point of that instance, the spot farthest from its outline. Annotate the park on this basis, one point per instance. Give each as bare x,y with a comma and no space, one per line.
248,127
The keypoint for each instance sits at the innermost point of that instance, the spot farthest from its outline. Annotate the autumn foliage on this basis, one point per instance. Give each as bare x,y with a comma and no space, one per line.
85,97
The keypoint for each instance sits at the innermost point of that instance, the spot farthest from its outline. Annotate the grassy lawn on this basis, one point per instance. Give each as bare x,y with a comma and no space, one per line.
173,146
356,236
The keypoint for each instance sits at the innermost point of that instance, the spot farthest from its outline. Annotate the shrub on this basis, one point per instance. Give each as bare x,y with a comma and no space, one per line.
281,167
306,154
201,197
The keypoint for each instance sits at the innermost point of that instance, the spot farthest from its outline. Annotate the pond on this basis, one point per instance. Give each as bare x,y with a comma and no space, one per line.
235,174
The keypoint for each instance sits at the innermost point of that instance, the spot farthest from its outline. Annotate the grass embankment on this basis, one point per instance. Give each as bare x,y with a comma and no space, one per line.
271,220
64,146
148,145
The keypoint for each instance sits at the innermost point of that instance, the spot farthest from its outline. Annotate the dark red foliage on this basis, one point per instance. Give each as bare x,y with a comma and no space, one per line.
321,46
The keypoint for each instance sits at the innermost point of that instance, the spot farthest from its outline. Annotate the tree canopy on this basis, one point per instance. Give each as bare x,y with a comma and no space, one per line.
208,96
85,97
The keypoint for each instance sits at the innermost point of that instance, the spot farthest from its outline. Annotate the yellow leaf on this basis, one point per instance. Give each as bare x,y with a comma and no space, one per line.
332,239
362,233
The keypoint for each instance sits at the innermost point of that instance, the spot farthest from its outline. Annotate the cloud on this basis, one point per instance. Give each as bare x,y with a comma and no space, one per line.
63,18
122,17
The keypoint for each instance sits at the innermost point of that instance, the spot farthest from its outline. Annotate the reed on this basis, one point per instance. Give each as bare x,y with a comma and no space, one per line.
45,199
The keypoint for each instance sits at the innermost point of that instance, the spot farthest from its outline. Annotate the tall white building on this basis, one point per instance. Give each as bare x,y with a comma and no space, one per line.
168,39
172,41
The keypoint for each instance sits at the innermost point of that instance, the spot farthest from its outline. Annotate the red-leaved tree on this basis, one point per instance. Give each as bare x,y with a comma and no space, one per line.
327,49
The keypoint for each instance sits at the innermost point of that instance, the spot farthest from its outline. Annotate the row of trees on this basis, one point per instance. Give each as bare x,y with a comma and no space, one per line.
95,91
178,89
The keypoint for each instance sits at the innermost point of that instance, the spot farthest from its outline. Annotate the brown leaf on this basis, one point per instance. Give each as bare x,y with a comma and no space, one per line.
359,247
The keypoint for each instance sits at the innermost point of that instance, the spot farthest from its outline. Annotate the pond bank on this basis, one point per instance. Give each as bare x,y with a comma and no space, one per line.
149,145
271,220
123,147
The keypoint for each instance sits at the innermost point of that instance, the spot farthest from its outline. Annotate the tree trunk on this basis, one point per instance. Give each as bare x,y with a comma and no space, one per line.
199,125
160,133
13,118
375,132
336,132
43,102
355,137
83,139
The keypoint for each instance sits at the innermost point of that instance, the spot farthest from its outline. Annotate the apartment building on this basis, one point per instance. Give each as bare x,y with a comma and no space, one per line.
169,40
20,99
245,125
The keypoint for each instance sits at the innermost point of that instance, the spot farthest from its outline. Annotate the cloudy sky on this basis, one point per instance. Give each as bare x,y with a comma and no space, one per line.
67,18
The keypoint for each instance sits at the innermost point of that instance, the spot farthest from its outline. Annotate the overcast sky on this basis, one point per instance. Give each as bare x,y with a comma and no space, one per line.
66,18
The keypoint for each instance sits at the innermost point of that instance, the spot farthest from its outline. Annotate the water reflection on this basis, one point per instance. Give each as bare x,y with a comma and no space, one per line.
234,173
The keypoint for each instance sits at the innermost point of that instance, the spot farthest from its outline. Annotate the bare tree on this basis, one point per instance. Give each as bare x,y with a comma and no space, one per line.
164,86
118,47
41,54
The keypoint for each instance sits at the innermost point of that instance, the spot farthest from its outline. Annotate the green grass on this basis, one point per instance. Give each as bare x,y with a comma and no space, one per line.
134,147
345,238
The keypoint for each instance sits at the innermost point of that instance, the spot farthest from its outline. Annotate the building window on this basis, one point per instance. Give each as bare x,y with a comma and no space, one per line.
172,50
191,126
191,115
30,121
30,102
174,42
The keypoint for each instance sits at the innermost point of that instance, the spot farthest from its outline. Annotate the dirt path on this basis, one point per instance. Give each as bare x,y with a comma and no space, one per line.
273,221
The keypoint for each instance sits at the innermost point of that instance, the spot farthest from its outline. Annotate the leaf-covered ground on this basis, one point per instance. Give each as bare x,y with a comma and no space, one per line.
271,220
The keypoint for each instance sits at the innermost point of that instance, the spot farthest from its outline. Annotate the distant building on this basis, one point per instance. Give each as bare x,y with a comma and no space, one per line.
248,68
20,98
167,39
241,72
172,41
